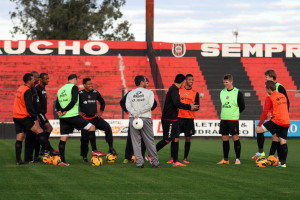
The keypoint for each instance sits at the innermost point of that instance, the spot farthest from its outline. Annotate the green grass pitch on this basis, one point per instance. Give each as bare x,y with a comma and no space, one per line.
201,179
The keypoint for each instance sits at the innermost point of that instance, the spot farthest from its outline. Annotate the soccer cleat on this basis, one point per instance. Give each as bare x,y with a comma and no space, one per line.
98,153
170,161
85,159
37,159
65,164
237,162
156,166
284,165
223,162
125,161
186,160
178,164
21,162
141,166
257,155
112,151
148,158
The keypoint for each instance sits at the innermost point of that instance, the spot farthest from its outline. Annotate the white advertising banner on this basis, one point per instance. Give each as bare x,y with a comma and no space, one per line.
203,128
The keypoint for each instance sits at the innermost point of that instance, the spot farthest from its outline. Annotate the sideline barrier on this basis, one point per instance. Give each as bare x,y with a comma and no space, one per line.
293,130
204,128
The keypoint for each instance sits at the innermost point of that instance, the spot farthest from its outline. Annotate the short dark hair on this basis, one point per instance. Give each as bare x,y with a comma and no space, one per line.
228,77
72,76
270,85
188,75
179,78
138,79
271,73
42,75
34,72
85,80
27,77
147,80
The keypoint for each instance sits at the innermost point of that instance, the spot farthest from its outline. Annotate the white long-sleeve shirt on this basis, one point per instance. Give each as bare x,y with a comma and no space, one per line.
139,102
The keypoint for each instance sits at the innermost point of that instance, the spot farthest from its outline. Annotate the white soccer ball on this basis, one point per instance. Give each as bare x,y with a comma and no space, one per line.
137,124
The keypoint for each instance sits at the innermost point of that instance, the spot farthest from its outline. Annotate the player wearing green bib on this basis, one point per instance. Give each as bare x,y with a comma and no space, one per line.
233,104
67,106
270,75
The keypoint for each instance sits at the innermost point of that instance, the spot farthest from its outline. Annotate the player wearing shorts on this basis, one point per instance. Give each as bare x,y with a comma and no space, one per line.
186,117
88,98
169,119
279,124
233,104
67,106
25,118
270,75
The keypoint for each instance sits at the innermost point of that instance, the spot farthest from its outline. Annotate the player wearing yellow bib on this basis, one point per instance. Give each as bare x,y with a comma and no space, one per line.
233,104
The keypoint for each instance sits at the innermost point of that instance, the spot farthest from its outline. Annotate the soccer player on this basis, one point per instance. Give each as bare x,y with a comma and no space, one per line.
186,117
169,119
67,106
270,75
88,98
279,124
139,103
25,118
31,139
233,104
129,148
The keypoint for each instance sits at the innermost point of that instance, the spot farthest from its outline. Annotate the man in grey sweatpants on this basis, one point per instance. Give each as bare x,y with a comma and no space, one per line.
139,103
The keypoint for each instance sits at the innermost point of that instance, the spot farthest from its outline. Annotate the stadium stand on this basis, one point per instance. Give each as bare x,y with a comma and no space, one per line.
214,69
256,67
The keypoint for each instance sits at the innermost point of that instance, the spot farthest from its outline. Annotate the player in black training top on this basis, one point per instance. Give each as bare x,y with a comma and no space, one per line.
42,94
31,139
88,98
169,119
129,148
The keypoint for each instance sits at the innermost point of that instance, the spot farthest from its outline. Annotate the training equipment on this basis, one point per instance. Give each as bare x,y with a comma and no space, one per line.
46,159
272,161
138,124
223,162
50,161
133,159
110,158
261,162
96,161
56,160
257,155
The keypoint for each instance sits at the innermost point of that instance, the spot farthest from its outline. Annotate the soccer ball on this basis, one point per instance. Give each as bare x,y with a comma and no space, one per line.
50,160
137,124
56,160
261,162
96,161
110,158
272,161
46,159
133,159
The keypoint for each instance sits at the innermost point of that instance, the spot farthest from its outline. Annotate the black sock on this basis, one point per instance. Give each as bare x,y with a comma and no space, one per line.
187,147
226,148
37,149
18,148
260,142
44,142
61,147
237,148
284,152
92,137
273,148
174,149
110,144
279,154
161,145
47,134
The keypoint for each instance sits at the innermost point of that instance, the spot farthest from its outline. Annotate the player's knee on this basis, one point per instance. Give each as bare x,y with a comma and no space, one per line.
49,128
235,137
225,137
20,137
188,139
92,128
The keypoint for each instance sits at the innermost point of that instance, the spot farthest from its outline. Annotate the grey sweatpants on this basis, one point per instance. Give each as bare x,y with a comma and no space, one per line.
148,136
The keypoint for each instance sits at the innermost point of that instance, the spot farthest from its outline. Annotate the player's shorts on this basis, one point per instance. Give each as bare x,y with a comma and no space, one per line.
229,127
186,126
43,118
68,124
23,125
273,128
170,129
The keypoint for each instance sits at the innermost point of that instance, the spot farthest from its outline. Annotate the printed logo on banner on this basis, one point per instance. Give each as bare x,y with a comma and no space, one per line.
178,49
293,129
